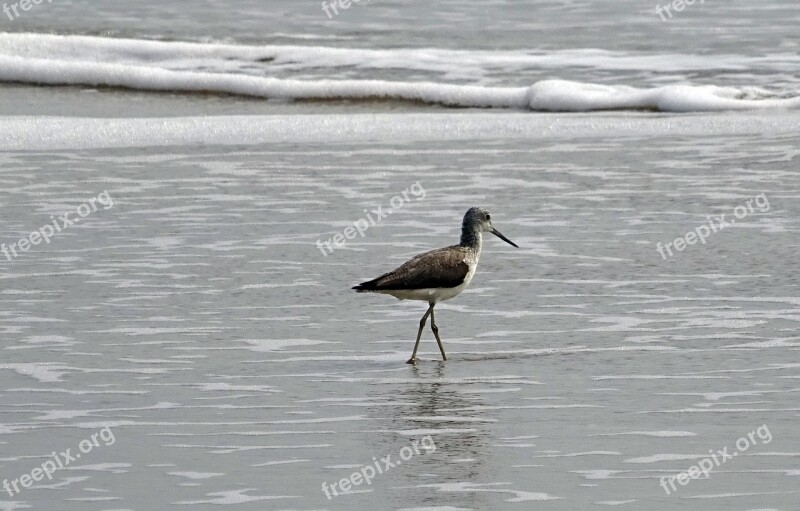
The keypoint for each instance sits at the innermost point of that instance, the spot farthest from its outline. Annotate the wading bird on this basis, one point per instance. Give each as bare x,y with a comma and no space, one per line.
438,275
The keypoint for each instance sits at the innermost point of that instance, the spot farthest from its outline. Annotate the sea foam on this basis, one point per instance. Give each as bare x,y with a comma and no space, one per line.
332,74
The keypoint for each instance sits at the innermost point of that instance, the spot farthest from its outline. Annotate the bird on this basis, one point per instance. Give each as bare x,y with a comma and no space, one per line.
438,275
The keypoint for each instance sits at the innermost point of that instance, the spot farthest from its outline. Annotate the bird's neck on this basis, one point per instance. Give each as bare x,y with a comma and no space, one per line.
471,238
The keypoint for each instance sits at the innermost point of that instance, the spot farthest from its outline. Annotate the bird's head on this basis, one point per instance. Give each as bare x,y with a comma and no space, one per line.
480,219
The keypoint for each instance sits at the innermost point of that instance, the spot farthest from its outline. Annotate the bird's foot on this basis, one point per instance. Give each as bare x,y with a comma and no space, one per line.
412,361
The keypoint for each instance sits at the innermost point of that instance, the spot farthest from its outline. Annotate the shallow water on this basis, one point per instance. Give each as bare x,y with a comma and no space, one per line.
735,27
198,346
198,319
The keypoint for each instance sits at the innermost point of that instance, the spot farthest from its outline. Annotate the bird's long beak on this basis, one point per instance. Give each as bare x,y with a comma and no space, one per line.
499,235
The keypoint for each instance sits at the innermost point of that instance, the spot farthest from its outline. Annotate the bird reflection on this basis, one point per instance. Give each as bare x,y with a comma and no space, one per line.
434,404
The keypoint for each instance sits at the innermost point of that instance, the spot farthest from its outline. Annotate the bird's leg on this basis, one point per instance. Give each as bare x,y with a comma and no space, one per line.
436,333
413,359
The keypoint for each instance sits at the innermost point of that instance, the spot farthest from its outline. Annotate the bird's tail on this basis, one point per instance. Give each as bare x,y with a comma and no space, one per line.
366,287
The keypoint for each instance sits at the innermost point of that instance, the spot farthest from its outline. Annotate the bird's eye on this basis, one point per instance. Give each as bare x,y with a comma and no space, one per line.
488,217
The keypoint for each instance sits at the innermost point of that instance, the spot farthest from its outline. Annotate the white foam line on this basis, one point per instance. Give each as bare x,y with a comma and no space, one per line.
580,454
729,495
658,434
50,133
46,71
720,410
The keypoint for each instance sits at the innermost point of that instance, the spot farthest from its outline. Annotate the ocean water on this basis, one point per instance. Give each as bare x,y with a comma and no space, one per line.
185,333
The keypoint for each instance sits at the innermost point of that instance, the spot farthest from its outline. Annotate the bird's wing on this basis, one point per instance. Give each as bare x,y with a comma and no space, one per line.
444,267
